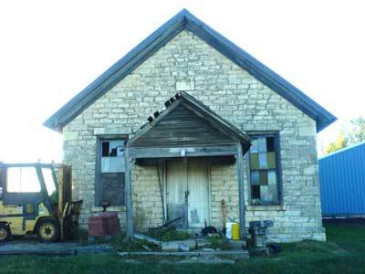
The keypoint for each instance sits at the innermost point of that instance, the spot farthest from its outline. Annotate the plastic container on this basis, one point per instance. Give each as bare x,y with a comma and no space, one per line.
235,231
229,230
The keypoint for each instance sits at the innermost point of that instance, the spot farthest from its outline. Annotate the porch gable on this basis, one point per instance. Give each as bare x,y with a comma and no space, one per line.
186,128
186,124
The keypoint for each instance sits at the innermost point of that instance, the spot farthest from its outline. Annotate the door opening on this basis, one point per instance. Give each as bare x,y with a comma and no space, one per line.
188,192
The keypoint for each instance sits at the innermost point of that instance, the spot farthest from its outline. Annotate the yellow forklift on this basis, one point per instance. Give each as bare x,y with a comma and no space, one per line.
36,199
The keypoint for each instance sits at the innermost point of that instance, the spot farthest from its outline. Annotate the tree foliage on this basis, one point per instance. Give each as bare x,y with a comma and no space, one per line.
355,134
340,142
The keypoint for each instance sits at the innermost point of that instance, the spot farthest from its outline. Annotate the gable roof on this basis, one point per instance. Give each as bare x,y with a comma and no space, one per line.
178,126
186,21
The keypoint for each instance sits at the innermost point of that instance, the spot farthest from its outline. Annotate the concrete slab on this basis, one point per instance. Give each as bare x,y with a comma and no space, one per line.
237,245
207,257
61,249
233,253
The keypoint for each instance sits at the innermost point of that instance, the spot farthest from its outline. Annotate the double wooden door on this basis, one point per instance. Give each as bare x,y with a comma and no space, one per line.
187,193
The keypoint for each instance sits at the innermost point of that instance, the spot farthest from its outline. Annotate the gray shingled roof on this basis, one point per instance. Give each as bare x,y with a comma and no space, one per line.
186,21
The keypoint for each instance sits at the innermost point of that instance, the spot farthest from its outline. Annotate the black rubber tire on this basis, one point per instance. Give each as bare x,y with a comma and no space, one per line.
48,231
5,232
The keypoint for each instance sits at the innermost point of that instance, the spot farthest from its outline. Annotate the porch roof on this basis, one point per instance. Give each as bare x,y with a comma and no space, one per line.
188,124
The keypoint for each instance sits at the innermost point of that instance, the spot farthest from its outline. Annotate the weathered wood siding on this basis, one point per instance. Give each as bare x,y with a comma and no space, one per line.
182,128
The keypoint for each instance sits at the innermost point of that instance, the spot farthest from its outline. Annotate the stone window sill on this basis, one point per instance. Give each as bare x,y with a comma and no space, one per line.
265,208
97,209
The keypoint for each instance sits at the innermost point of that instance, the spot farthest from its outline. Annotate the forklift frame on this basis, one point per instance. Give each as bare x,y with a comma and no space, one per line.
67,213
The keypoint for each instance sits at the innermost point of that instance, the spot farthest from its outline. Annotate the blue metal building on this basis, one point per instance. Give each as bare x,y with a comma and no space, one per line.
342,179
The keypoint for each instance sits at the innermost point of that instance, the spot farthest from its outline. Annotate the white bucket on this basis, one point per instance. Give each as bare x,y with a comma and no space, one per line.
229,230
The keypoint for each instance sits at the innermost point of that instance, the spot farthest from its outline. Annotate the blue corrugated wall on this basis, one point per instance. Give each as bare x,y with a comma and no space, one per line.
342,179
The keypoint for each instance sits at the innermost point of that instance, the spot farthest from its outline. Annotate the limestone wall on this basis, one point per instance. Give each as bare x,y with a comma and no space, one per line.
187,63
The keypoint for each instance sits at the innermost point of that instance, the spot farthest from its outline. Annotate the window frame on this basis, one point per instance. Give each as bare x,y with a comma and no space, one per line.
20,192
276,135
98,186
18,198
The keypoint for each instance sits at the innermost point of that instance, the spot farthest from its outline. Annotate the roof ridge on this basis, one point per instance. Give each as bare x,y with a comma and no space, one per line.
181,21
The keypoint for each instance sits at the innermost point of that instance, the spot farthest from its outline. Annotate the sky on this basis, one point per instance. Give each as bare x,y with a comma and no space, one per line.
51,50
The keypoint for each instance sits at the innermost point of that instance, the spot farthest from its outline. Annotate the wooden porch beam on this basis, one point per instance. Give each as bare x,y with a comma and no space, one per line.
128,193
136,153
239,163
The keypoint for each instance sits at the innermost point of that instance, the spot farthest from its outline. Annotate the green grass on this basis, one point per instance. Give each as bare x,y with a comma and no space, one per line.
219,243
171,235
350,237
343,253
120,243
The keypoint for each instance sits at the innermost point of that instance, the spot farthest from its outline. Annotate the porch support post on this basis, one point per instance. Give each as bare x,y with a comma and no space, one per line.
128,194
239,163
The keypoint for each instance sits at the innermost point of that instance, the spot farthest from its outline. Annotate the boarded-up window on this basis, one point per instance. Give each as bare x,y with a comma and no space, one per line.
111,172
264,171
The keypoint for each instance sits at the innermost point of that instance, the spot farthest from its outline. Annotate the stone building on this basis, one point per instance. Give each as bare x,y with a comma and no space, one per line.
188,126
